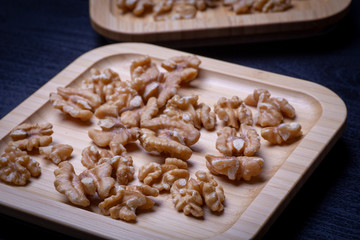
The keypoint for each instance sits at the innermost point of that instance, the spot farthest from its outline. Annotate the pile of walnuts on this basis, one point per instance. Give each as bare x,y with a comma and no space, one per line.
148,109
187,9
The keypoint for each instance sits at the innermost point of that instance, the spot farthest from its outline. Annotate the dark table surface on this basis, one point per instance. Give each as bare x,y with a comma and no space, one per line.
39,38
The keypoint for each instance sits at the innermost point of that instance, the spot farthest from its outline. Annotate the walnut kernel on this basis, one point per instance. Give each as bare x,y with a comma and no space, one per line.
234,168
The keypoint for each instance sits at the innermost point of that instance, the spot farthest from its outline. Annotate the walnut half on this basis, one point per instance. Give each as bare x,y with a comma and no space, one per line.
127,199
235,168
28,136
186,197
282,133
56,153
230,143
212,192
17,167
163,176
78,103
233,112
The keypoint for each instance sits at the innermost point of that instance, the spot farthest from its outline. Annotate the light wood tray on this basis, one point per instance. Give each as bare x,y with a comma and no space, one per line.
218,25
250,206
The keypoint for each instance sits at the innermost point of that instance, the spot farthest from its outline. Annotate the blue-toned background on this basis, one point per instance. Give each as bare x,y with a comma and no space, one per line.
39,38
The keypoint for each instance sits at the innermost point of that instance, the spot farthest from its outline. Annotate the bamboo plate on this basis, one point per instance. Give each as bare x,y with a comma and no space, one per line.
218,25
250,207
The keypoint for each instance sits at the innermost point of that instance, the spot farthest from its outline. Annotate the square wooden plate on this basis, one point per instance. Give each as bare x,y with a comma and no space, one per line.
218,25
250,207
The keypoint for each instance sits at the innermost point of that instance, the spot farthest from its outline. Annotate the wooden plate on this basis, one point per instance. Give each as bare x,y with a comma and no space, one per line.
218,25
250,206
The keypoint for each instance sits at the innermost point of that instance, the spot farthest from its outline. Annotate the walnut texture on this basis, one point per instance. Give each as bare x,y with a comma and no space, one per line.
250,6
68,183
230,143
211,191
186,197
122,165
28,136
123,168
162,176
57,153
17,167
102,83
172,129
137,7
98,180
113,134
233,167
233,112
181,69
127,199
187,109
282,133
78,103
151,142
271,110
145,77
91,181
183,9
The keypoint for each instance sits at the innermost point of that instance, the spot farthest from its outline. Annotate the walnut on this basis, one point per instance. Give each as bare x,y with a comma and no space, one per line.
230,144
122,165
249,6
150,142
253,99
163,176
123,99
188,110
268,114
113,134
186,66
186,197
137,7
145,76
183,109
131,118
101,83
282,133
162,8
78,103
233,112
252,140
98,180
68,183
172,129
168,88
206,116
235,168
90,157
212,192
243,6
181,69
17,167
123,168
57,153
271,110
272,5
150,110
127,199
184,11
203,4
28,136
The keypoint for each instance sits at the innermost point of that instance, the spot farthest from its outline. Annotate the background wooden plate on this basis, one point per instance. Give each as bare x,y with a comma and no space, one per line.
250,206
219,25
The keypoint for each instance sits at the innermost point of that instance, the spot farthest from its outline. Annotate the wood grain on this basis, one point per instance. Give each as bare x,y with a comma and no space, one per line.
250,206
305,17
